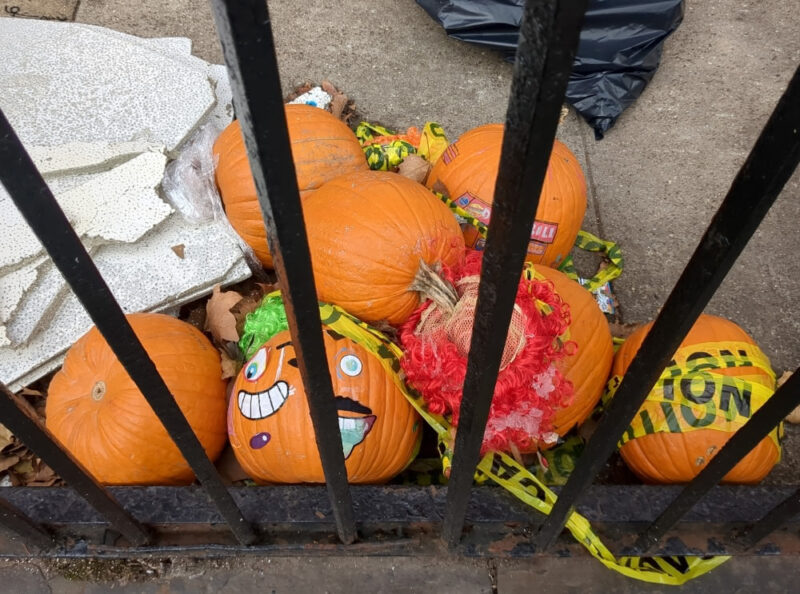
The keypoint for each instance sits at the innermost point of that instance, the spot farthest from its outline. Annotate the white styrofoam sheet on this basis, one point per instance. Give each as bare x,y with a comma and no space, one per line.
143,277
89,86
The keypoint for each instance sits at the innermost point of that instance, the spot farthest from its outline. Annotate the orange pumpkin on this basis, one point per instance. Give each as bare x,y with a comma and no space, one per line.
677,457
588,367
373,236
96,411
270,427
322,147
467,172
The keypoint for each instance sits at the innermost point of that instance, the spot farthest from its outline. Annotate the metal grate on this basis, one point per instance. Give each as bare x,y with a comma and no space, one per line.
395,519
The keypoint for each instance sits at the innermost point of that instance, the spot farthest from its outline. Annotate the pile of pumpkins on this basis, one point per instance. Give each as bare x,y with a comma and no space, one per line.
382,247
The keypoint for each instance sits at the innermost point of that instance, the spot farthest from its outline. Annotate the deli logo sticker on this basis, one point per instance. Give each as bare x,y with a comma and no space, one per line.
475,207
536,249
450,153
544,232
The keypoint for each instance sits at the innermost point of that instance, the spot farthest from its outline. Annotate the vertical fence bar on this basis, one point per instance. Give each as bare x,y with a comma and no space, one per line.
246,35
548,41
780,404
42,212
767,169
15,415
775,518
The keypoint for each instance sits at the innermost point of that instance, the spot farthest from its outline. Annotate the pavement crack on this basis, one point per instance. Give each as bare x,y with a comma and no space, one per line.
44,577
491,566
592,186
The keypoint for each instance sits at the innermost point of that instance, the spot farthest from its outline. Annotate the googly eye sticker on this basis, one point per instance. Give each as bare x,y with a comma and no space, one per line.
256,366
351,365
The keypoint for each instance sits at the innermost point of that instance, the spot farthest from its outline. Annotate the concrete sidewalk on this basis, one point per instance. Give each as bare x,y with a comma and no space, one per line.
378,575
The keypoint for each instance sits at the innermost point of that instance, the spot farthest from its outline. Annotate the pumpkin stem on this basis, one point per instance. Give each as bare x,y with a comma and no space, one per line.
432,286
98,390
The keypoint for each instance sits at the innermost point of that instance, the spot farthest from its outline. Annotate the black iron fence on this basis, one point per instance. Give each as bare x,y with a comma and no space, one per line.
87,518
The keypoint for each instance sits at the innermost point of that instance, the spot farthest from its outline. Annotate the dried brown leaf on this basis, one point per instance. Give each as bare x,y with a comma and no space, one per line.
18,449
7,462
48,483
319,514
415,168
440,188
304,88
244,307
6,437
45,474
267,288
230,366
219,319
23,467
328,87
31,392
338,104
179,250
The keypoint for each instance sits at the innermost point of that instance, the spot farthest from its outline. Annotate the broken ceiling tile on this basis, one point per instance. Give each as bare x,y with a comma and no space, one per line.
176,48
18,244
144,276
38,306
22,365
222,114
121,204
63,83
12,288
86,157
149,272
40,302
14,360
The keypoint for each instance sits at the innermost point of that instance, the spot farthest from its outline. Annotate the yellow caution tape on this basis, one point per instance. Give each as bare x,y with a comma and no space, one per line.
433,142
515,478
692,393
591,243
388,149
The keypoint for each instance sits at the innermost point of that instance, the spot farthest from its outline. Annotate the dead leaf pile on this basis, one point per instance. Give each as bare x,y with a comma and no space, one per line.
18,465
225,315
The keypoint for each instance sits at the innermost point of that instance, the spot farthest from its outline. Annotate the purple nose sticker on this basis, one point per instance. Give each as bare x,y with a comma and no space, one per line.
259,440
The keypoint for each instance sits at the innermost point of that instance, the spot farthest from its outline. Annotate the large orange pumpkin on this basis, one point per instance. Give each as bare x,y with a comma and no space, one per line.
375,237
96,411
588,367
322,147
467,172
673,454
269,421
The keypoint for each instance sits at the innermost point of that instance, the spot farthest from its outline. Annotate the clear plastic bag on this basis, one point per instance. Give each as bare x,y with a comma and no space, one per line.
190,188
189,180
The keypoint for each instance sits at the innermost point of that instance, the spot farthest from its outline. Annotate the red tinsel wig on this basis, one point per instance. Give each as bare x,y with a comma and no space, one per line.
529,389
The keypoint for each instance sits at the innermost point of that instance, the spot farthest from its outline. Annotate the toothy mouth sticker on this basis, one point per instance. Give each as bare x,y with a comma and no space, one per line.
353,429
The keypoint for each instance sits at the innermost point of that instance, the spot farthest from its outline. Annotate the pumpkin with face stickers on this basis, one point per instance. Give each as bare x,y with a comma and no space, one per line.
269,423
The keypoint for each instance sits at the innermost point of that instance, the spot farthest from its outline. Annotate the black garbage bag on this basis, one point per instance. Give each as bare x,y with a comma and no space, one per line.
619,50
